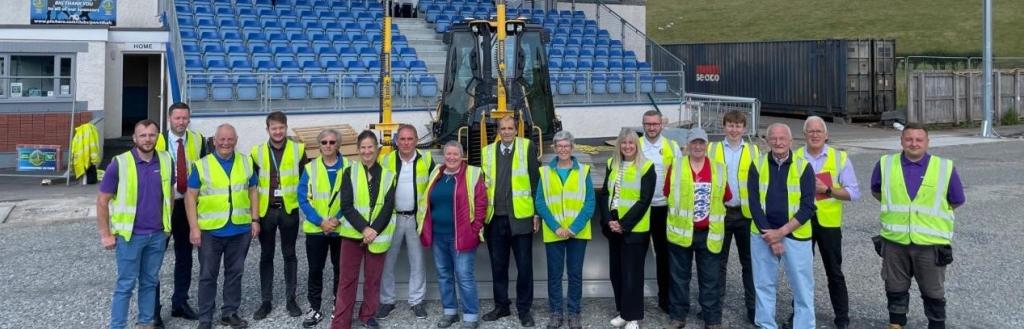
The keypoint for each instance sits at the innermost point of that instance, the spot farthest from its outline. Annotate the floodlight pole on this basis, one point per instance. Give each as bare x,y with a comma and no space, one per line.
986,126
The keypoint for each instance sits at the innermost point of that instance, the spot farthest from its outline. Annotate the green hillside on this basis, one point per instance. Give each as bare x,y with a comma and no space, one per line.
920,27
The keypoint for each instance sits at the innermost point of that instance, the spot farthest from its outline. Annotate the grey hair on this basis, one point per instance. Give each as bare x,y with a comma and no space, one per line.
453,143
332,132
818,119
789,131
563,135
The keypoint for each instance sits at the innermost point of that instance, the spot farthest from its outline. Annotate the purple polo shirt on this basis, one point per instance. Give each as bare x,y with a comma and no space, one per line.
913,174
149,211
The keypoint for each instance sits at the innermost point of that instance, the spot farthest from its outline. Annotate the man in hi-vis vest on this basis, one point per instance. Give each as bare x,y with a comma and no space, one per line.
223,220
836,182
137,223
510,166
918,192
279,162
662,152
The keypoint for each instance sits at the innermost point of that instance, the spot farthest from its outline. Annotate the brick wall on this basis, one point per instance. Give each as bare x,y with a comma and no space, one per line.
37,128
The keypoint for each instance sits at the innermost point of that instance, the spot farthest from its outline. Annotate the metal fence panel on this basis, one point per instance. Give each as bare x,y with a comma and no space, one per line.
706,111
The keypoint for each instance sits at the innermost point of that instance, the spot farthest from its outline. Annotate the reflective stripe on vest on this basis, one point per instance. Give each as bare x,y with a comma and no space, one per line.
288,173
193,145
565,199
422,168
472,177
361,201
679,228
320,193
748,154
220,196
630,191
669,150
796,169
928,218
829,211
125,201
522,192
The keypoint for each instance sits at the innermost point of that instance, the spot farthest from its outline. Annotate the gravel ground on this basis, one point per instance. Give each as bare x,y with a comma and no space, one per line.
55,275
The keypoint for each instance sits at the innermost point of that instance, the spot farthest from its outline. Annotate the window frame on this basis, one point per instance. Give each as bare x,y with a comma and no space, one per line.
55,79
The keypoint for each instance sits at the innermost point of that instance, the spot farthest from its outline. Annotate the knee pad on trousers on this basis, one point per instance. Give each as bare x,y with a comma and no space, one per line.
935,309
899,301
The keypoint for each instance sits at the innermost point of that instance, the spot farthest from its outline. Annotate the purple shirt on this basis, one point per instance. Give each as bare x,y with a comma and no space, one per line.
149,209
913,174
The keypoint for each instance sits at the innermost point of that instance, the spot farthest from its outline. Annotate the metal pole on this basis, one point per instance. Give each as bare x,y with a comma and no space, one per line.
986,102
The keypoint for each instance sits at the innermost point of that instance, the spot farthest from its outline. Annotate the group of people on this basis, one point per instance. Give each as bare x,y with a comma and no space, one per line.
688,198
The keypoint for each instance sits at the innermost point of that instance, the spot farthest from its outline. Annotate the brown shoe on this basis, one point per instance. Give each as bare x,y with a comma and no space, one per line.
144,327
895,326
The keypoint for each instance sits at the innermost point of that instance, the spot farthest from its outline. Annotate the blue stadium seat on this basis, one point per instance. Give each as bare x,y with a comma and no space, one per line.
326,57
290,66
241,66
418,66
320,87
356,67
305,54
193,65
223,88
275,87
198,88
237,53
347,86
584,65
335,66
660,84
190,48
587,54
359,41
311,67
646,83
581,84
280,58
365,87
629,83
565,84
297,87
427,85
614,83
263,66
348,55
600,66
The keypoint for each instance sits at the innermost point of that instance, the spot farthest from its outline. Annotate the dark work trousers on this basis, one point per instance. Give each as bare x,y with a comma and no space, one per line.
318,246
626,270
232,250
901,264
738,227
708,267
275,220
830,244
182,257
659,217
500,242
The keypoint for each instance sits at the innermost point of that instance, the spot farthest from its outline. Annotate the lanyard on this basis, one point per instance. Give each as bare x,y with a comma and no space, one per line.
273,157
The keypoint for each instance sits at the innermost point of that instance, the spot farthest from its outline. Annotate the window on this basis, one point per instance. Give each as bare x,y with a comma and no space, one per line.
35,76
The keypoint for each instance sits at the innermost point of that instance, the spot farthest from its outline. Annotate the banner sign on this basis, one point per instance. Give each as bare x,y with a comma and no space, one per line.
38,157
87,12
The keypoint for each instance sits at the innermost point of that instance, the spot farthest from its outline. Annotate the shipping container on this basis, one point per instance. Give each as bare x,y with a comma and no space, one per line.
844,79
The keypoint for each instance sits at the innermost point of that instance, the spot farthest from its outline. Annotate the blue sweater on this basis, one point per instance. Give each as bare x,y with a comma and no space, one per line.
776,212
442,212
541,206
303,192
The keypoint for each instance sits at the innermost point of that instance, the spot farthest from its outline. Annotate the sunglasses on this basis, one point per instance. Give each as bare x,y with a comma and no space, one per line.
327,142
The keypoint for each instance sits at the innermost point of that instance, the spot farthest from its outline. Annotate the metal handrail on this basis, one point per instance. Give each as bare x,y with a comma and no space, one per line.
174,36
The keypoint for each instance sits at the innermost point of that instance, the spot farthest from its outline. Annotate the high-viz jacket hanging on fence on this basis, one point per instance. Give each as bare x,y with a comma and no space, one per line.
85,149
287,172
749,153
222,197
564,200
123,207
373,213
794,177
522,191
629,192
829,210
323,194
681,205
927,219
421,170
194,144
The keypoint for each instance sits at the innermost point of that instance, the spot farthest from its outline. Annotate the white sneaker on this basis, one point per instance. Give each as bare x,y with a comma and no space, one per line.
633,325
618,321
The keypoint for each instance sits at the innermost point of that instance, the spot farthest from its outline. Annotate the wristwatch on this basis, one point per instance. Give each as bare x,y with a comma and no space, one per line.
828,192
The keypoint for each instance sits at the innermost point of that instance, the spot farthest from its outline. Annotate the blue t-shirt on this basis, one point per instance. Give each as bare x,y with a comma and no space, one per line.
441,212
230,229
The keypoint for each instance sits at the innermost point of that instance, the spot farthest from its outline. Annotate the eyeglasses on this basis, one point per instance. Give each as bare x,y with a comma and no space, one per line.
327,142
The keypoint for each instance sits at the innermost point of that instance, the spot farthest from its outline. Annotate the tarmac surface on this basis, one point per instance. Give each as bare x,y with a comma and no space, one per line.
54,273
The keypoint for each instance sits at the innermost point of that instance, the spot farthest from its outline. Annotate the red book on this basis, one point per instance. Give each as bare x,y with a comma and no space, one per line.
826,179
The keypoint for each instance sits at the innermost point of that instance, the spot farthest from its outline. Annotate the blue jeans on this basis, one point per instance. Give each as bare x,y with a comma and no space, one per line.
451,266
798,262
137,260
708,267
565,255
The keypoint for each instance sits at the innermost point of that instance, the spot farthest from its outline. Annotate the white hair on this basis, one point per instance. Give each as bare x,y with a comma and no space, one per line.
815,118
789,131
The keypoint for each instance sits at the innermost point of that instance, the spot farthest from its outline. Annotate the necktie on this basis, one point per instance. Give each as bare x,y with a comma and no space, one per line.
180,172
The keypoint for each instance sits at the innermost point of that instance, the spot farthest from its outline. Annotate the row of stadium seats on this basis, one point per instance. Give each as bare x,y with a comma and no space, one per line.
298,87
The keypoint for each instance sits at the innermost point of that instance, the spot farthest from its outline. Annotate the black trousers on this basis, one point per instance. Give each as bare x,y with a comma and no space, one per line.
232,250
830,246
318,246
659,218
275,220
738,227
182,257
500,242
626,271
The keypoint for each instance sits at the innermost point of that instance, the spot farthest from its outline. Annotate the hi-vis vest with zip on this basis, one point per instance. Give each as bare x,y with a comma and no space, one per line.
748,154
361,201
830,210
522,192
928,218
221,197
320,193
565,199
629,192
472,178
679,228
796,169
123,206
193,146
288,173
422,168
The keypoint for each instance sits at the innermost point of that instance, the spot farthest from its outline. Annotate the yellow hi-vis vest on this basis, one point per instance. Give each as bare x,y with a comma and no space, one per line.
122,210
522,192
361,201
222,197
422,168
565,199
680,205
320,193
629,192
288,173
796,169
928,218
472,178
669,150
193,146
748,154
830,210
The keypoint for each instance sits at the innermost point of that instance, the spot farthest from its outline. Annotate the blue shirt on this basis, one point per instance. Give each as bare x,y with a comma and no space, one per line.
303,192
229,229
149,207
732,164
541,206
441,212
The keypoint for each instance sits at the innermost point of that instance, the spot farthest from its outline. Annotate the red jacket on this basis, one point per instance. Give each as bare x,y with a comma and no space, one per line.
467,234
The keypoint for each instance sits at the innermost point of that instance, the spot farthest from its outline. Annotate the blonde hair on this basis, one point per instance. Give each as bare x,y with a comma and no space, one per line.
617,158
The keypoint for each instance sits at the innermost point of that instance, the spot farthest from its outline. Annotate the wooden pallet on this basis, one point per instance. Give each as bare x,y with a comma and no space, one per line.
307,135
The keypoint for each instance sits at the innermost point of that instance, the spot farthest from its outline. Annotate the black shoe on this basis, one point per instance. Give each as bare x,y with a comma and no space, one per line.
497,313
750,316
205,325
312,318
234,322
554,322
842,326
158,322
184,312
526,320
371,324
262,312
447,321
293,308
384,310
419,311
